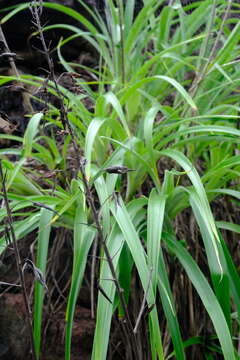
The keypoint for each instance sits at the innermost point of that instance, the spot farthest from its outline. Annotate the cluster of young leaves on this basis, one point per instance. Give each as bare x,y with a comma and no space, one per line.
167,88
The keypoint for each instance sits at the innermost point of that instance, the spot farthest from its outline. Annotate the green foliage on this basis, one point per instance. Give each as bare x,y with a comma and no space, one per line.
167,107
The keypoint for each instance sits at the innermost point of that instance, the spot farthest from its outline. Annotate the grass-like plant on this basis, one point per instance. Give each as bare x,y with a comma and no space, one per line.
167,107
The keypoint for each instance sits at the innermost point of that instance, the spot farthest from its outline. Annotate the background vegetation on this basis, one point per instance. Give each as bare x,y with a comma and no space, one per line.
160,242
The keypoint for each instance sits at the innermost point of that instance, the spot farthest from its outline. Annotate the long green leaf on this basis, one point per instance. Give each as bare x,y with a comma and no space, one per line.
155,216
30,134
83,238
122,217
207,296
156,209
41,263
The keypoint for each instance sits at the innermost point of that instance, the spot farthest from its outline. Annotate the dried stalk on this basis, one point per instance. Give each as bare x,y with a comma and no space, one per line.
10,56
18,262
143,303
36,12
199,78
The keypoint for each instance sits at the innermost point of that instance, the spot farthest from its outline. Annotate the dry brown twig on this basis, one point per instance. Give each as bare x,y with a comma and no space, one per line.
200,76
141,312
9,224
11,56
36,10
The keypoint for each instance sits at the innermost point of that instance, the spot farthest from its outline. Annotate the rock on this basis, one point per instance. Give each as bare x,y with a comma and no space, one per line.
14,342
82,335
5,126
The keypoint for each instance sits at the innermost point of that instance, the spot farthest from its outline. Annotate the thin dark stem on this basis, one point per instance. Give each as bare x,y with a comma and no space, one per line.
9,284
10,58
93,266
18,262
119,290
143,303
26,98
36,11
195,86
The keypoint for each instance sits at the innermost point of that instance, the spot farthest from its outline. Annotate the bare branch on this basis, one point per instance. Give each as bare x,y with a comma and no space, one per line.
12,235
143,303
81,162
